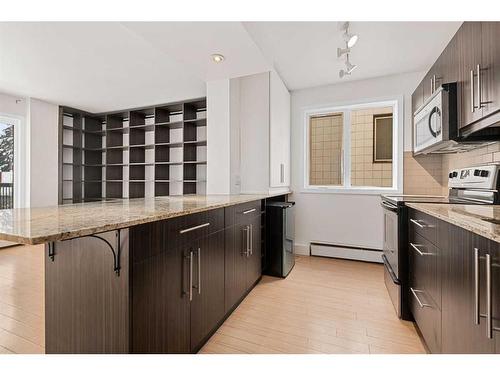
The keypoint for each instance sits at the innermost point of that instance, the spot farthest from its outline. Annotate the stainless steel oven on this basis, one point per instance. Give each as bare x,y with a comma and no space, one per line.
391,254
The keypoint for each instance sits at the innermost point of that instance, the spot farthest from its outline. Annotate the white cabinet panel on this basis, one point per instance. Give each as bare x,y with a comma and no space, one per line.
279,163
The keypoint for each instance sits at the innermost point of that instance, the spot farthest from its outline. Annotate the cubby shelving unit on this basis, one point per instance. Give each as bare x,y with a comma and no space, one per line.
143,152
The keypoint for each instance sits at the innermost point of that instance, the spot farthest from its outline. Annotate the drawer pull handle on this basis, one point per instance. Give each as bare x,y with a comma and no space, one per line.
422,305
249,211
194,228
476,286
417,223
416,248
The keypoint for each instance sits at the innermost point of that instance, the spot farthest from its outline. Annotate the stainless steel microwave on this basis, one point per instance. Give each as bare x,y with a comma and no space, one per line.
436,127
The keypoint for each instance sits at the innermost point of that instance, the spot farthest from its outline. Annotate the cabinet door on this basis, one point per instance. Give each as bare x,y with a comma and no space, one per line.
495,283
423,296
279,132
427,84
254,260
160,303
207,306
490,67
469,55
235,282
460,333
417,98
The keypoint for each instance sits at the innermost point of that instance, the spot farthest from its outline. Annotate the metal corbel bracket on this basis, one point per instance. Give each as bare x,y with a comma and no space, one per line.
116,253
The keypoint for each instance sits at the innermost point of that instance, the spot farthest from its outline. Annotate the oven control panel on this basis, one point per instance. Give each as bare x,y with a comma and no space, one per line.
478,177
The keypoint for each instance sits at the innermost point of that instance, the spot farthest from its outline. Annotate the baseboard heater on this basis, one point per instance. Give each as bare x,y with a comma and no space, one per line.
345,252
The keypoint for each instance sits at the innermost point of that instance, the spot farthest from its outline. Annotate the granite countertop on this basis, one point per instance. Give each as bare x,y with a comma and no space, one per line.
483,220
45,224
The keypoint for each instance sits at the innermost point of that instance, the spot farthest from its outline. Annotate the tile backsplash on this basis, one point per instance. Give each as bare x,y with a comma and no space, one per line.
428,174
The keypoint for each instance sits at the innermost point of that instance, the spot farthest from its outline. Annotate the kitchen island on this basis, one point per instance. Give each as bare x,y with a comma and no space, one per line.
151,275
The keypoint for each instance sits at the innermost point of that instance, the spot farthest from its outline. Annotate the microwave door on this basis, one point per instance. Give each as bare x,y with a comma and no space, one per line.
428,128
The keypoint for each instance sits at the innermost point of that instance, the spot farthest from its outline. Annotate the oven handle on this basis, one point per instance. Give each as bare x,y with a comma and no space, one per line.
391,272
389,206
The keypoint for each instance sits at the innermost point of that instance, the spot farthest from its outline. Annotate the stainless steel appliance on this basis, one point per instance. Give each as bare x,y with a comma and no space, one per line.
436,127
281,231
474,185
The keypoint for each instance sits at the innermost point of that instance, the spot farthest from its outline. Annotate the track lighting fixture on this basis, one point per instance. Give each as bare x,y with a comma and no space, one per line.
350,40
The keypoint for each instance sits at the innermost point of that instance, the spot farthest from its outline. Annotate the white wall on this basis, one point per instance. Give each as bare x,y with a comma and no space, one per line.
39,148
43,154
353,220
218,137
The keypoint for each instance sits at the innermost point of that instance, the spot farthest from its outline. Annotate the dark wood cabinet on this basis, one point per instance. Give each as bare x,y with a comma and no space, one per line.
472,59
444,291
207,305
417,98
243,258
469,55
490,70
254,262
160,303
460,332
176,282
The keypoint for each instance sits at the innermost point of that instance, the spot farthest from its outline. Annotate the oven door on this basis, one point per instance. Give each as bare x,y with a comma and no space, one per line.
390,246
393,286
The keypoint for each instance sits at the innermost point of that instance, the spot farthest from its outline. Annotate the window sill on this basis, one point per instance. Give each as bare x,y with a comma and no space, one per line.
351,191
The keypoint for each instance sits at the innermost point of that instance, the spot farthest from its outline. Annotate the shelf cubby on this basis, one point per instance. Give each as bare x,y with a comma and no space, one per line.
143,152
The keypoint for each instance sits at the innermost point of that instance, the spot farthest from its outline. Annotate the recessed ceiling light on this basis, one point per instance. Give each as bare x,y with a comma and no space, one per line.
217,58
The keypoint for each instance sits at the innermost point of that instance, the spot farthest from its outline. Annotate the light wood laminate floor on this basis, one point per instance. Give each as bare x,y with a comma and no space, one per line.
323,306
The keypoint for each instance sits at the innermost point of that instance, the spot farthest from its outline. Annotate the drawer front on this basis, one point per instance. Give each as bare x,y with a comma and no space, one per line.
242,213
424,267
423,224
428,318
184,229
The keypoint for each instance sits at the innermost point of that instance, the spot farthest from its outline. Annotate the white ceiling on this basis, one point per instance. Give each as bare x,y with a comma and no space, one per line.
305,53
109,65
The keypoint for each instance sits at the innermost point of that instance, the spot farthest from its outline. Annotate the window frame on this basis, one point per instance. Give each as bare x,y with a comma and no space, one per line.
346,108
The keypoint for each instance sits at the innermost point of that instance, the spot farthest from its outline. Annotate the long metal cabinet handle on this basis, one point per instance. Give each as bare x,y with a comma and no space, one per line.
194,228
476,286
246,229
248,241
418,224
282,173
489,323
249,211
251,239
472,107
478,72
190,275
415,247
432,86
422,305
199,271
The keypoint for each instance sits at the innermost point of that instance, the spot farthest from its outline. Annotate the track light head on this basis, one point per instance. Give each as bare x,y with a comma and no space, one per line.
342,51
349,67
350,39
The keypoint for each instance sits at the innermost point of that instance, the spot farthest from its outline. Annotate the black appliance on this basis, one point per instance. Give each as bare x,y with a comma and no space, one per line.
280,228
474,185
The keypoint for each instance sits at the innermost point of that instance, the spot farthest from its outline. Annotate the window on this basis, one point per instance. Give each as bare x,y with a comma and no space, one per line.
353,148
6,164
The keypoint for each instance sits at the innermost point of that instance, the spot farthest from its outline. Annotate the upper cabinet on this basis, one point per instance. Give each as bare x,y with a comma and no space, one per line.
472,60
264,125
279,123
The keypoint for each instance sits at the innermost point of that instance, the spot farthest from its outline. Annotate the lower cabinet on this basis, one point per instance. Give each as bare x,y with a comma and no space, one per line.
449,288
188,273
243,259
207,304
